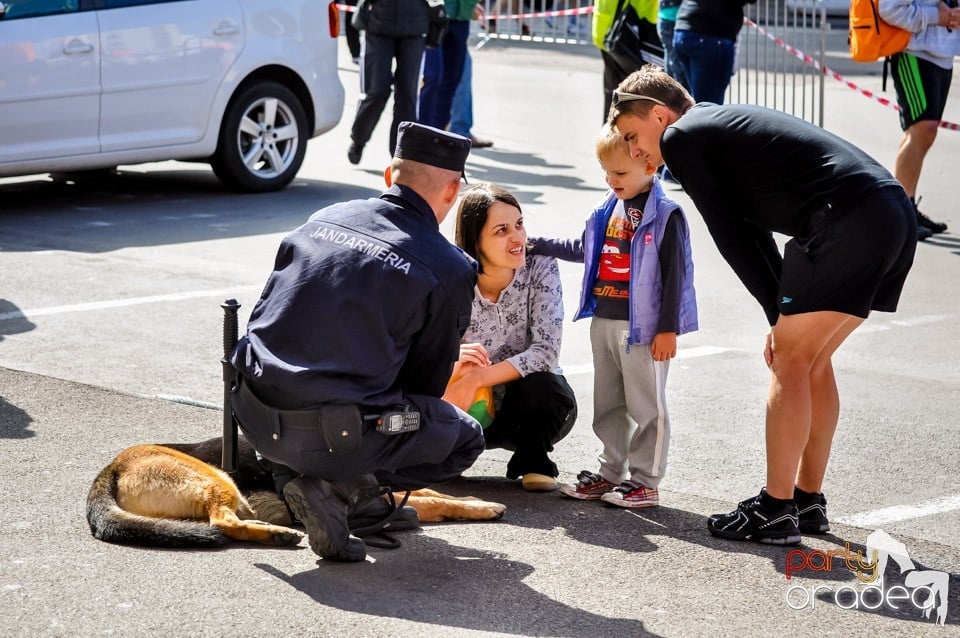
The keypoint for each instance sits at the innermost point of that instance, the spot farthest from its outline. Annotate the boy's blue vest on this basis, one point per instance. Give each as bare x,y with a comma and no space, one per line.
645,280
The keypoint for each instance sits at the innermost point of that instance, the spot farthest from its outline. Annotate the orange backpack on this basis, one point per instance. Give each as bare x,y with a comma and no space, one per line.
870,37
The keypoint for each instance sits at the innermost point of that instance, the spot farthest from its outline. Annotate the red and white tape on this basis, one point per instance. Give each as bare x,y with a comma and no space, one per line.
836,76
512,16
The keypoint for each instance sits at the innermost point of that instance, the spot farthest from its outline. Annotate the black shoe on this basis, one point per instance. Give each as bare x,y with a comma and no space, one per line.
811,512
381,514
925,222
354,153
479,142
322,507
754,520
923,233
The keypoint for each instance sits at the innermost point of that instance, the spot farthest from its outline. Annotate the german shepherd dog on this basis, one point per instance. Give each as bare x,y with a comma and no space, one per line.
176,495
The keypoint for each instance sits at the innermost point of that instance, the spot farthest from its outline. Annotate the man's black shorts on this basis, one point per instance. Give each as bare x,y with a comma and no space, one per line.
921,86
854,261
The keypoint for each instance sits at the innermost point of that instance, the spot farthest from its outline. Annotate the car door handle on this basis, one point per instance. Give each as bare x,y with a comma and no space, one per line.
76,46
226,28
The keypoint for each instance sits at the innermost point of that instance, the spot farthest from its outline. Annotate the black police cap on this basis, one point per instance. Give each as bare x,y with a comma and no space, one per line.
429,145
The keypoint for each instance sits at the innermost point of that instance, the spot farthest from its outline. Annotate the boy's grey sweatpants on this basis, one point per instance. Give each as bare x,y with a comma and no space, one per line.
629,406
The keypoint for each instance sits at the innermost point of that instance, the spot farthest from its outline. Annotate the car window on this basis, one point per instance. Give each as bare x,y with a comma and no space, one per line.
32,8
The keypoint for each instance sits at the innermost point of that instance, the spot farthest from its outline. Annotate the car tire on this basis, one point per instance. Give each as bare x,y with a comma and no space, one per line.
263,139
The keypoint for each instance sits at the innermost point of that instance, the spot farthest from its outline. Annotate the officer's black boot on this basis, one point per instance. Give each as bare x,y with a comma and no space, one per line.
381,514
322,507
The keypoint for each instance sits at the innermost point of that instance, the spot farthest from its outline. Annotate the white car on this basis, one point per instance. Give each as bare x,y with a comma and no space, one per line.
241,84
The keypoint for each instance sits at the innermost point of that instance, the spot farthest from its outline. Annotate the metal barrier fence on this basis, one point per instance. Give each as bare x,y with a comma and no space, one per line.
766,73
566,22
769,74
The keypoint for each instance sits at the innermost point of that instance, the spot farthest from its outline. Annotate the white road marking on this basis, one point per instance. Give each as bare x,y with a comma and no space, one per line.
922,320
899,513
120,303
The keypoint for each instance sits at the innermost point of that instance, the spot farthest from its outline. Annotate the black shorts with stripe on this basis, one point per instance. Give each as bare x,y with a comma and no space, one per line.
921,86
854,260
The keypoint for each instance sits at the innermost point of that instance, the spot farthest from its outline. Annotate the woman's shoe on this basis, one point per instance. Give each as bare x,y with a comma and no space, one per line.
539,483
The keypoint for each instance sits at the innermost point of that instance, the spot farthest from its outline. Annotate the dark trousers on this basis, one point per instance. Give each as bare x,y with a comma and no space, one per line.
447,443
537,411
442,70
707,64
376,79
613,75
351,32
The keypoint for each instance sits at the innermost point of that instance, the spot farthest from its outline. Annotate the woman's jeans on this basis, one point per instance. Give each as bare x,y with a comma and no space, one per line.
707,62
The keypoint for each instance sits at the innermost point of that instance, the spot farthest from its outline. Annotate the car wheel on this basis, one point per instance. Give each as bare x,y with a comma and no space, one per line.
262,140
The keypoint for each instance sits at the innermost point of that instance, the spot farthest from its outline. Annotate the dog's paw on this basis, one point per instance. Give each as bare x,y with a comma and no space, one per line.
494,511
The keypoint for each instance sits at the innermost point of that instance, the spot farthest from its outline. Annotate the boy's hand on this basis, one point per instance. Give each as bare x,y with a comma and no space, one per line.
664,346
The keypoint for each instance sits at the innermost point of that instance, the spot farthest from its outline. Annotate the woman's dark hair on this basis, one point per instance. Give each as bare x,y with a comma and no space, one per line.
475,203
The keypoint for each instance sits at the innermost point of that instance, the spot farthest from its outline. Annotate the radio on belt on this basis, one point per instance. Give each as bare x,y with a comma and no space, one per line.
397,422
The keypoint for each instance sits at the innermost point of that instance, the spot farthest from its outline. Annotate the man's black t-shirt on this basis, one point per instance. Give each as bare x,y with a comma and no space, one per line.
751,171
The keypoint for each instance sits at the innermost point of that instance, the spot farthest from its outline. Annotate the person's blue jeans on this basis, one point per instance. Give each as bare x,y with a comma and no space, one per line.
442,69
674,70
461,112
707,61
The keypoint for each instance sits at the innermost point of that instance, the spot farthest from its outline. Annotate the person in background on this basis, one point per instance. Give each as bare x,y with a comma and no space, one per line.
921,78
666,21
394,30
443,65
352,34
704,41
461,115
604,12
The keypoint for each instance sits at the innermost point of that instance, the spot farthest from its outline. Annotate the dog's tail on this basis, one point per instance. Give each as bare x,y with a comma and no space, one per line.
111,523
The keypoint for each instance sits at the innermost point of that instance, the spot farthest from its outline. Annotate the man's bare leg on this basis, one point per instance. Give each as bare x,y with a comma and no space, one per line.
798,374
825,402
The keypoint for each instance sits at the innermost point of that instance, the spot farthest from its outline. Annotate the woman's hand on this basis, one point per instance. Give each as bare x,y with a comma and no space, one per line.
471,354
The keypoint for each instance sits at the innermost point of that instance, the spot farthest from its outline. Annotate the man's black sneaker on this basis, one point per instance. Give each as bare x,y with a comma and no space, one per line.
811,512
925,222
754,520
322,508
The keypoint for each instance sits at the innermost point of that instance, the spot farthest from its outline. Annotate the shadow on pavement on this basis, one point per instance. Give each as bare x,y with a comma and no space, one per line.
104,212
432,581
14,421
12,321
636,531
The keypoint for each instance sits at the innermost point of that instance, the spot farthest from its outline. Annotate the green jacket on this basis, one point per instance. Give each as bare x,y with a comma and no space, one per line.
604,11
460,9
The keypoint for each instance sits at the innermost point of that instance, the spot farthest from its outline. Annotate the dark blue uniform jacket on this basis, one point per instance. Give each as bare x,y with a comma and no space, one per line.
367,302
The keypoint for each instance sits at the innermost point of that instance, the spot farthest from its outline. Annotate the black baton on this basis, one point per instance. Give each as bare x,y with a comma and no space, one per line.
229,458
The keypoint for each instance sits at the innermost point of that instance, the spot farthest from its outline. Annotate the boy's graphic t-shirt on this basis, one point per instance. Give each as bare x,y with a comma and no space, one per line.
612,286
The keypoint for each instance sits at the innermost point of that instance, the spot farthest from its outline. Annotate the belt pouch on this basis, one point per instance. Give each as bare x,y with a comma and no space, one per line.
341,427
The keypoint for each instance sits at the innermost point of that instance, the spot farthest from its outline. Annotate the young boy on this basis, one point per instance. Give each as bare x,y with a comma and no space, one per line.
638,287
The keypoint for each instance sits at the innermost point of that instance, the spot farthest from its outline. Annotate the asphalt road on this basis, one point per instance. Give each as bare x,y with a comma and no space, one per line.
110,336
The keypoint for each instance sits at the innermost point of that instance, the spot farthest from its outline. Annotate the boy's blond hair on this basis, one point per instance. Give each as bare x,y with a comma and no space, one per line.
610,142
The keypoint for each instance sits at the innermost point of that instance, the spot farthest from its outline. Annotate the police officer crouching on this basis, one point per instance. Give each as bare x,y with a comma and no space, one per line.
351,345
